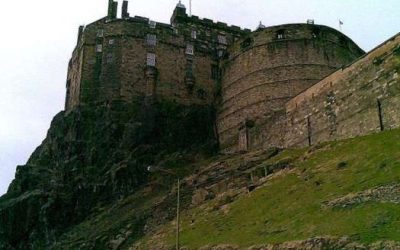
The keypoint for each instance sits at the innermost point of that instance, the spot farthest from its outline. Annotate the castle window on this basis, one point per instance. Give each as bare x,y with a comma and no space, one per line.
110,57
99,48
151,59
280,34
221,39
111,41
194,34
151,40
189,49
152,24
100,33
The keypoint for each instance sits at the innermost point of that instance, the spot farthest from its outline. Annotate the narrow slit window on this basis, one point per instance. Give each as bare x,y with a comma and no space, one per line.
110,57
151,40
222,39
100,33
194,34
99,48
151,59
189,49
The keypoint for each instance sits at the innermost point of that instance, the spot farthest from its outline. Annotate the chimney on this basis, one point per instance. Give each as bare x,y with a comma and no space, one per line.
125,13
112,9
115,9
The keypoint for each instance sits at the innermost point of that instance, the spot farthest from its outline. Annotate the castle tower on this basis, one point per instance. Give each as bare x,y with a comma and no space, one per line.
268,68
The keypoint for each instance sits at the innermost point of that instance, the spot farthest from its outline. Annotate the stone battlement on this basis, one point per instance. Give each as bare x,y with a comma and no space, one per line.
214,24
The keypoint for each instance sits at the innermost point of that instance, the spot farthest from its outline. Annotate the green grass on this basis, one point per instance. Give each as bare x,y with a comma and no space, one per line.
289,207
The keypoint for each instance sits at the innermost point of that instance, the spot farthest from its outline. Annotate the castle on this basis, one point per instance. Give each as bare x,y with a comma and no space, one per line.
282,86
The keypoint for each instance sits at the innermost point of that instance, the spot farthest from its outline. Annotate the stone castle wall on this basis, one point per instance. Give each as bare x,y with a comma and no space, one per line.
273,87
360,99
267,69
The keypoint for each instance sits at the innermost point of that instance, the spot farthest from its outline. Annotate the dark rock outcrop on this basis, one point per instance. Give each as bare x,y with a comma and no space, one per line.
95,155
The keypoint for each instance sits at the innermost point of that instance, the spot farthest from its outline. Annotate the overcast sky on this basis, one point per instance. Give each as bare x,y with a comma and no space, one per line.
39,36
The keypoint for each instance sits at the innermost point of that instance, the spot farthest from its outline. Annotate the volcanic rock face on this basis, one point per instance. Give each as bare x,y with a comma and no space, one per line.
97,155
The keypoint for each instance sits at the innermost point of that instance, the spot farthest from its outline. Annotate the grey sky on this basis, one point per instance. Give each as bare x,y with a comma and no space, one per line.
39,36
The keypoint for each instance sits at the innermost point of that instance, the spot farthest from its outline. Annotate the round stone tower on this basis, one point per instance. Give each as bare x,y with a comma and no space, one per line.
269,67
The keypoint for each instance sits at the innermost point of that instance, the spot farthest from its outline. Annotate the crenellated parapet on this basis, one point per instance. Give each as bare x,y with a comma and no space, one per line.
180,16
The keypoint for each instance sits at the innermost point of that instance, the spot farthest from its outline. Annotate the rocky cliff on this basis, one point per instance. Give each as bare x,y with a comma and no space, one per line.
95,156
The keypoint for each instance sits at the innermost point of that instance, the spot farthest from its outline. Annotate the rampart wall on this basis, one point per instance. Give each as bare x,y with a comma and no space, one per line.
360,99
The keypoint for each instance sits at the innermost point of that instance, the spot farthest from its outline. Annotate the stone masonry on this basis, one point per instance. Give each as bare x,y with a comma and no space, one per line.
133,57
268,68
282,86
360,99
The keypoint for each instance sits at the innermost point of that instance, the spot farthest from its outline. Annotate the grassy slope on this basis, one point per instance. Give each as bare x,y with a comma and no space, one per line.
289,207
